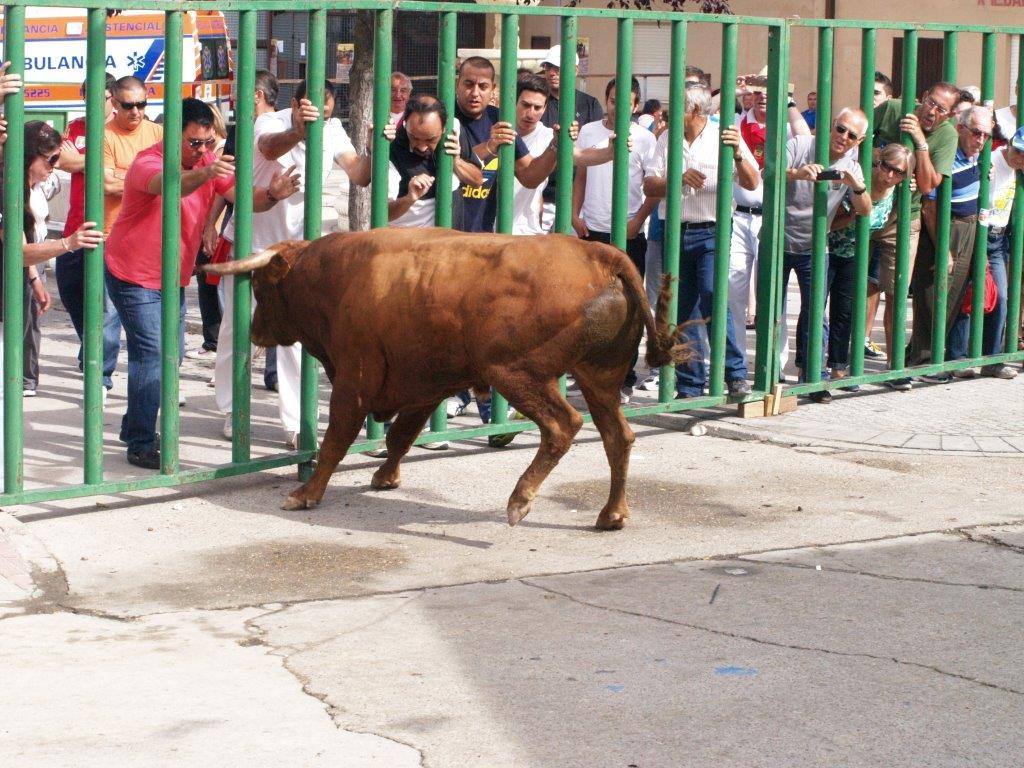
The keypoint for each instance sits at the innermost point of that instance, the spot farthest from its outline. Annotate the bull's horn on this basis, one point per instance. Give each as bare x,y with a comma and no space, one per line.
249,264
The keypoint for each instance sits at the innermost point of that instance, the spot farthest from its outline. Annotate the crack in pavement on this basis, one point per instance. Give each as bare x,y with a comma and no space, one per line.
981,538
285,652
772,643
854,571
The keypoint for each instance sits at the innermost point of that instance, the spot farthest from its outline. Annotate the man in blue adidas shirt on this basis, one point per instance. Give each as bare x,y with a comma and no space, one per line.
473,91
974,128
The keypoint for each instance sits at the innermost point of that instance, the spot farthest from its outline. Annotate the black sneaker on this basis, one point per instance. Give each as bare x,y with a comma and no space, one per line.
821,396
739,387
871,349
899,385
149,459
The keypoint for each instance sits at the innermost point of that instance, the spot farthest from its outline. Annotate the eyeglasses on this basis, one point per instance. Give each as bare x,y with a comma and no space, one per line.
849,133
929,103
128,106
979,134
890,168
209,143
52,160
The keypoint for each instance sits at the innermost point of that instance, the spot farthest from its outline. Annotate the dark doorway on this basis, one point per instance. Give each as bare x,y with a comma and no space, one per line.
929,64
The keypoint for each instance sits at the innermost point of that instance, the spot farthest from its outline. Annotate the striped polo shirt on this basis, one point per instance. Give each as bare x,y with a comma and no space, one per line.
966,184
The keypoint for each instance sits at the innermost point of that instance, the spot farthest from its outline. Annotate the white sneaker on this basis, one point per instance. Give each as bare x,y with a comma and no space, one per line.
625,395
291,439
202,353
378,453
181,400
28,393
650,384
453,406
571,385
229,428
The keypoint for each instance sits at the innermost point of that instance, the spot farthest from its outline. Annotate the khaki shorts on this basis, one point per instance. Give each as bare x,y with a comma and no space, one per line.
884,243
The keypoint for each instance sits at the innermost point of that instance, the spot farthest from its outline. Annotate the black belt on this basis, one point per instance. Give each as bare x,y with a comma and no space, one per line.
698,225
752,210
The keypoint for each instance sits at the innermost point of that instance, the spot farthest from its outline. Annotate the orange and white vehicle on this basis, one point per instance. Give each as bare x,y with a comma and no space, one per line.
55,53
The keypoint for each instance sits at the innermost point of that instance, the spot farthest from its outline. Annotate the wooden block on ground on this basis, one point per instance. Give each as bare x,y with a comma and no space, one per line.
753,410
787,404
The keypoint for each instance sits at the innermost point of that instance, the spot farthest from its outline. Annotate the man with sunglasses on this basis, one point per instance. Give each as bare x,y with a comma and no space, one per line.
802,172
974,127
127,134
133,257
935,142
71,266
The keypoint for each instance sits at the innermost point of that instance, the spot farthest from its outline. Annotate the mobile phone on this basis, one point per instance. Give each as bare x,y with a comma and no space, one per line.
829,175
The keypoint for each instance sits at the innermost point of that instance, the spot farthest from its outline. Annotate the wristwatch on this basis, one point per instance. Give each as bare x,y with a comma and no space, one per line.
860,191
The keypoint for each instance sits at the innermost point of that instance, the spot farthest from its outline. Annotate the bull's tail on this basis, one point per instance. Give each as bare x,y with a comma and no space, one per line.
663,345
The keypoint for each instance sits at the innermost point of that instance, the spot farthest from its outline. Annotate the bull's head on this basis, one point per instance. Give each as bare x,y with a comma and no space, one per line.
271,323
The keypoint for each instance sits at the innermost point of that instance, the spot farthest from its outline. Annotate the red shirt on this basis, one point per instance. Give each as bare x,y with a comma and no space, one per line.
75,133
133,248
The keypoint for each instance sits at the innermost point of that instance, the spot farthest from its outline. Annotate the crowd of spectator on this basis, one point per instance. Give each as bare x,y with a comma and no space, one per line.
946,133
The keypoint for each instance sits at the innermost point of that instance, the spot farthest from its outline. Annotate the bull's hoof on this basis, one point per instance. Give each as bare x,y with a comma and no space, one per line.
384,483
291,503
611,521
517,512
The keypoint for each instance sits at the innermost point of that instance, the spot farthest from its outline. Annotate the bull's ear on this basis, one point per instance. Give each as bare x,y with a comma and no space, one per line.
276,269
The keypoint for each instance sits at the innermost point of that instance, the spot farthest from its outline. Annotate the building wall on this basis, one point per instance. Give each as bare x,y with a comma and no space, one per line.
704,41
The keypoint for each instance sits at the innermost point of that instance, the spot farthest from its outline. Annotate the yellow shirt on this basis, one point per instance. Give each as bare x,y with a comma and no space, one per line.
119,150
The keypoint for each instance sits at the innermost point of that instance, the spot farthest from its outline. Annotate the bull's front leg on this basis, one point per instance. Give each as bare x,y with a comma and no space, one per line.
401,435
346,419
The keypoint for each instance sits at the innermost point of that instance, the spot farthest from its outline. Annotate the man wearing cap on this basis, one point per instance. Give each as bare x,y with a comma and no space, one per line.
588,110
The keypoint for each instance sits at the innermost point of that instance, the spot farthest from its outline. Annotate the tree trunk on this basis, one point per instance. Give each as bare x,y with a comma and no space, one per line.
361,113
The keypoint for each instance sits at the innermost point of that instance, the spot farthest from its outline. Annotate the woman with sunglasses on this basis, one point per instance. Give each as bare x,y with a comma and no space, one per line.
890,165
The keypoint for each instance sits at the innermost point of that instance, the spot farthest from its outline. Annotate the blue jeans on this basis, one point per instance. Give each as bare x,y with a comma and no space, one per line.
696,300
71,287
994,332
842,276
800,263
139,310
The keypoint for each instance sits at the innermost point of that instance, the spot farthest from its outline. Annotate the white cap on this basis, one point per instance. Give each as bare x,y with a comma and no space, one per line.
554,57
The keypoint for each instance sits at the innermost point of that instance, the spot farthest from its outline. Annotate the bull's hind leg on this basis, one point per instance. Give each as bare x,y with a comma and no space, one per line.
541,402
600,388
401,435
346,419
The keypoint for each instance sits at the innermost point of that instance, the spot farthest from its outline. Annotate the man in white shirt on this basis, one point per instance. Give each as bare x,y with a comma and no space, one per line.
532,94
592,188
279,143
697,255
401,90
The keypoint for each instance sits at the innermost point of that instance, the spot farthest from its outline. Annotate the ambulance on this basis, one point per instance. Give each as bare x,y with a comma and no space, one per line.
55,52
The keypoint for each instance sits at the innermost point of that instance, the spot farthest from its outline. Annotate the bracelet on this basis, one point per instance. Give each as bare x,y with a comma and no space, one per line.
270,196
64,242
860,191
33,279
921,147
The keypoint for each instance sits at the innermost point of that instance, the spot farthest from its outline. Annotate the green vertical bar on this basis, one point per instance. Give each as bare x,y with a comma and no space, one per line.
381,113
674,189
566,115
14,281
942,213
443,203
769,258
723,231
867,95
819,247
623,113
241,375
316,72
980,258
897,355
96,87
170,274
446,93
506,158
1017,231
506,153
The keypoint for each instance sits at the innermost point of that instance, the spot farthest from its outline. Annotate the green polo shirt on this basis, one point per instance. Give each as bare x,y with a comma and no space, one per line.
942,142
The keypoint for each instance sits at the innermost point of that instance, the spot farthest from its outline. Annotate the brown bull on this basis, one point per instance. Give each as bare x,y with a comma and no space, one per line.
402,319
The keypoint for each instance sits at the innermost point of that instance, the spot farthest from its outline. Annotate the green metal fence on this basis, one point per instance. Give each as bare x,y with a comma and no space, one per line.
769,273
